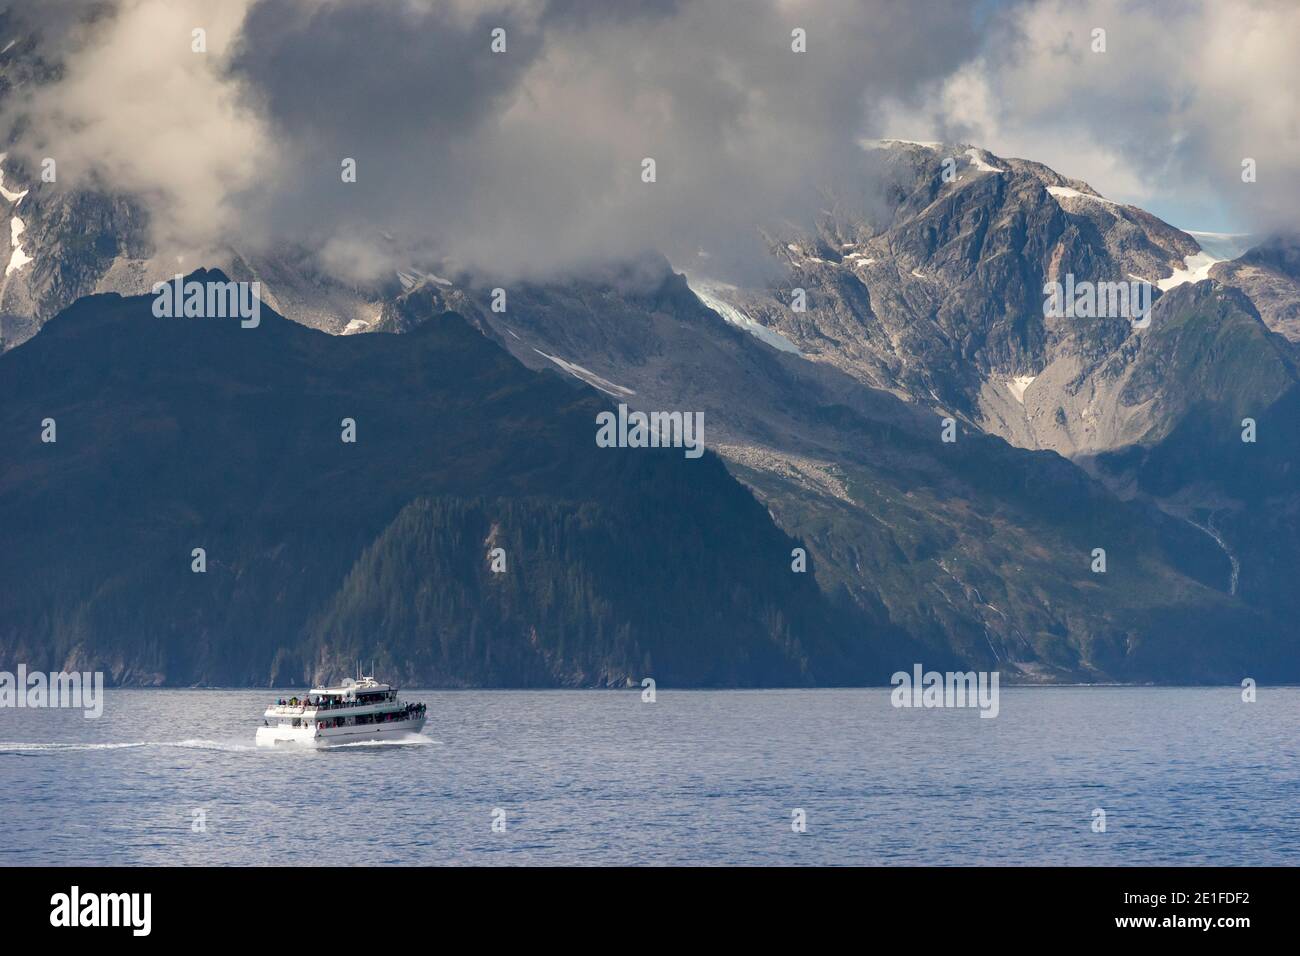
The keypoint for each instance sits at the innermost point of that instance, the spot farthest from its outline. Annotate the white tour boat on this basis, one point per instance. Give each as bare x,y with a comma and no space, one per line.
356,710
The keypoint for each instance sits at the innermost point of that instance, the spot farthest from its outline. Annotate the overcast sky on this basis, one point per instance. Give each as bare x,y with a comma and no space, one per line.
529,162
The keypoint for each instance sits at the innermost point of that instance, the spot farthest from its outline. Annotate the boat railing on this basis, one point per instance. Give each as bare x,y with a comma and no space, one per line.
328,704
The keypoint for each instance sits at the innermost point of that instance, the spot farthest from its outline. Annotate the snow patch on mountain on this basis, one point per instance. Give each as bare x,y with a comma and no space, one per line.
13,197
1196,268
706,291
18,258
413,277
978,162
1018,385
588,376
886,143
1065,192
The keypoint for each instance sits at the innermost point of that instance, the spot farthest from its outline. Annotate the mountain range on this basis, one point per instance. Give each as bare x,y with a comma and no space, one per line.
825,426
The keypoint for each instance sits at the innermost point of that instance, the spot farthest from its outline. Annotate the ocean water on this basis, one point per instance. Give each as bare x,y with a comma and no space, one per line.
1185,776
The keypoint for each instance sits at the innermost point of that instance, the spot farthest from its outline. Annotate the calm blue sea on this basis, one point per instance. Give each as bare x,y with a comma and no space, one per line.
1185,776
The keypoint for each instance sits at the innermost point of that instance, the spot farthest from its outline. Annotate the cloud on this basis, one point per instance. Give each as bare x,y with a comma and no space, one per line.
1164,116
527,163
530,161
132,107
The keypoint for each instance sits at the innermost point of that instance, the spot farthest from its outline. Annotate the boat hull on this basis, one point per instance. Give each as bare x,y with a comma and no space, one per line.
335,736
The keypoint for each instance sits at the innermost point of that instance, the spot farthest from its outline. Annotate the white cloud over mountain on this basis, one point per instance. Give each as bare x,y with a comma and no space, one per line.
529,161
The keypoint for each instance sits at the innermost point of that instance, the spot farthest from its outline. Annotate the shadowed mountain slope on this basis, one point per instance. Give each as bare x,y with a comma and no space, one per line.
175,434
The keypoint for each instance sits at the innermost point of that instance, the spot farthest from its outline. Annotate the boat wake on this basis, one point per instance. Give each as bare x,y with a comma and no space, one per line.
416,740
191,744
195,743
17,747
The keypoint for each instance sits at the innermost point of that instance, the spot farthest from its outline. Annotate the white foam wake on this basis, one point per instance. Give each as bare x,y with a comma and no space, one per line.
193,743
20,747
198,743
418,740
